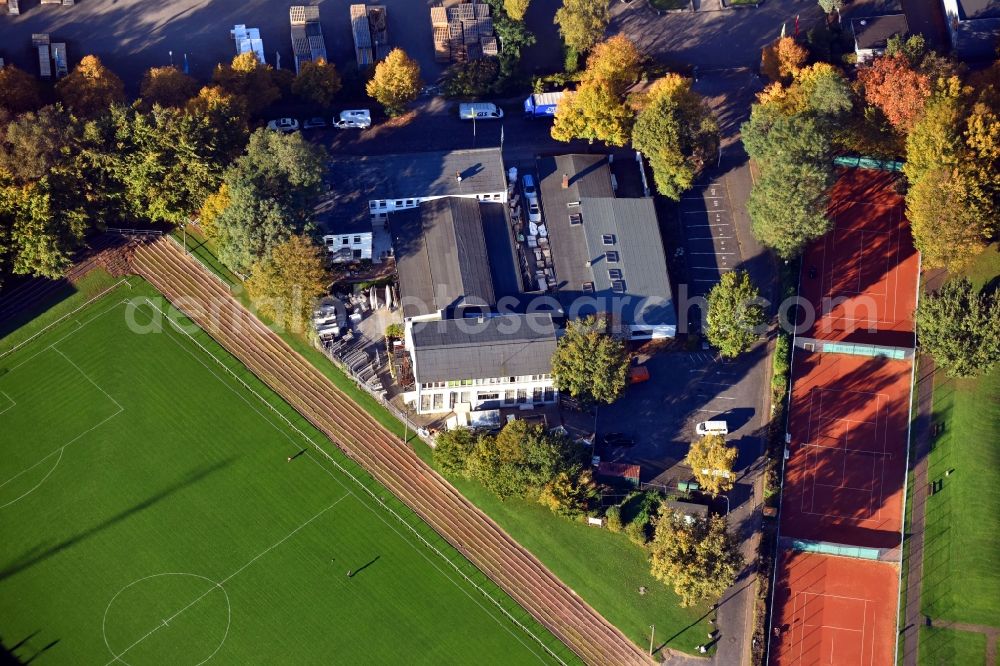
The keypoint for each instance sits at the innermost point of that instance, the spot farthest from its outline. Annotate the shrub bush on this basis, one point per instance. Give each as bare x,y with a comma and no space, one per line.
614,519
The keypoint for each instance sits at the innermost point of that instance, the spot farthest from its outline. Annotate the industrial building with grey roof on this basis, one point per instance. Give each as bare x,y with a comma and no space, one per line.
607,252
510,345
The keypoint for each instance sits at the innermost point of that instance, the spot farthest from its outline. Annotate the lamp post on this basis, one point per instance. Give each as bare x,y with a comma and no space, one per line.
652,632
171,57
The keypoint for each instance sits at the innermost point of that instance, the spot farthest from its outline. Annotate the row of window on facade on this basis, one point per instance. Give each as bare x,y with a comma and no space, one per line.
376,204
344,240
487,381
436,401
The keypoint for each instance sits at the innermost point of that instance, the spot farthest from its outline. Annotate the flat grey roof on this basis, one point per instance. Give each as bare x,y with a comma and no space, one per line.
579,252
353,181
478,348
441,256
872,32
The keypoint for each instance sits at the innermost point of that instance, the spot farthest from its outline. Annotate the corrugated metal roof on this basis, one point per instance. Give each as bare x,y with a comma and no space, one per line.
578,249
507,345
441,256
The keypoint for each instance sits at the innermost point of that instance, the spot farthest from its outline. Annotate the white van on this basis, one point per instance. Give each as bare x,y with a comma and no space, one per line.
712,428
360,118
479,111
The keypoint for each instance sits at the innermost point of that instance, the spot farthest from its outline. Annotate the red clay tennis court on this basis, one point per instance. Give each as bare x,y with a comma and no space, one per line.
833,610
862,276
847,452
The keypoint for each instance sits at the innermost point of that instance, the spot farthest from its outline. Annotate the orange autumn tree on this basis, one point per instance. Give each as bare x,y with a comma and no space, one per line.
781,59
897,89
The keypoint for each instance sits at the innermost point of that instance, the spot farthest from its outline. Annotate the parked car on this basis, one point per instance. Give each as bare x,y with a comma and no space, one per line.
528,185
534,212
618,440
314,123
284,125
359,118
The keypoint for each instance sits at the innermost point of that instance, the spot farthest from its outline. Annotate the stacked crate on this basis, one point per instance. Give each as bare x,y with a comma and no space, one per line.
463,32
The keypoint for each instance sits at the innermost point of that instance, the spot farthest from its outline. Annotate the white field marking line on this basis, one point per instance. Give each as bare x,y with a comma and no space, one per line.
85,376
68,314
71,333
716,224
166,621
703,212
711,238
371,508
9,407
60,450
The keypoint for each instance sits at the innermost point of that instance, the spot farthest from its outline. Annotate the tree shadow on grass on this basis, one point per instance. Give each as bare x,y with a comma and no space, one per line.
40,553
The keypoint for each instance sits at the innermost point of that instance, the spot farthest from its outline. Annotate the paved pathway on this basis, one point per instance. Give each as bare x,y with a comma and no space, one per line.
918,479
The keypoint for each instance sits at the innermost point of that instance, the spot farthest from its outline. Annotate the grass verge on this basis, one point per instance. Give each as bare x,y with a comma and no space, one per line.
947,647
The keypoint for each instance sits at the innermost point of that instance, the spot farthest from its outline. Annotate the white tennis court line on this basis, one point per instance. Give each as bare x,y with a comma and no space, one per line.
166,621
804,624
500,622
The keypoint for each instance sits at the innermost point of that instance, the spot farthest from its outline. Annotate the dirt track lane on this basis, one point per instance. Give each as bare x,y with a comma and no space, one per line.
473,533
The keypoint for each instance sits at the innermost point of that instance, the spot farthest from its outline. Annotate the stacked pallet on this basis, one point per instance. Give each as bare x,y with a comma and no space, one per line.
442,45
362,36
463,32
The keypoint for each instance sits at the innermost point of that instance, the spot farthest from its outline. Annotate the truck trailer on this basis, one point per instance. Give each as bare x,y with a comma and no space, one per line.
542,105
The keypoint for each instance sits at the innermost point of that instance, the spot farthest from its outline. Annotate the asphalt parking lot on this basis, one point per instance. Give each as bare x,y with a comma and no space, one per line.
684,389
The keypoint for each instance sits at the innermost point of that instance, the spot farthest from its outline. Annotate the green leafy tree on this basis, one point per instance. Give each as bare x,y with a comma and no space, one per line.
712,461
570,493
396,82
211,209
589,364
169,164
317,82
226,114
453,448
43,228
19,91
474,78
699,559
960,328
166,86
735,314
594,111
272,189
35,142
678,134
516,9
582,22
91,88
249,80
284,285
523,457
788,202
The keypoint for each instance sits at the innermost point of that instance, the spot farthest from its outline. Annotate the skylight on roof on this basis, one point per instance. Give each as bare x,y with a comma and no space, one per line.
615,273
611,256
575,219
618,286
608,239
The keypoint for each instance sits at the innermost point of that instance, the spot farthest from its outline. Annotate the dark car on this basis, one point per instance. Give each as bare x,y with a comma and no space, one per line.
617,440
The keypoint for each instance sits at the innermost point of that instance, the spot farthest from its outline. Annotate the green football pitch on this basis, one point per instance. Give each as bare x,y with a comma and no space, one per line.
149,515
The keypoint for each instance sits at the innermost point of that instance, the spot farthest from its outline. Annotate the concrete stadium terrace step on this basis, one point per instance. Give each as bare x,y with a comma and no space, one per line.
384,456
